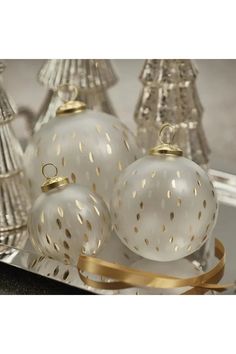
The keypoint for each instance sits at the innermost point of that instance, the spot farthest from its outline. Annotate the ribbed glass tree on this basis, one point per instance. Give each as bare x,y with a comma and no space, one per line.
14,196
92,77
169,94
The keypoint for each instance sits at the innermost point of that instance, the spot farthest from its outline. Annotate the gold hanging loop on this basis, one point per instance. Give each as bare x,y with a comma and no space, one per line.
70,106
166,147
43,170
54,181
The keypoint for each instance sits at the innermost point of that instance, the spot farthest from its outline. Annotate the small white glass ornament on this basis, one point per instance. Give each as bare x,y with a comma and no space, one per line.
67,219
164,206
90,147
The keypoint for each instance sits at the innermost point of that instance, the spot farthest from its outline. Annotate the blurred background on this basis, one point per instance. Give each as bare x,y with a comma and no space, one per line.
216,84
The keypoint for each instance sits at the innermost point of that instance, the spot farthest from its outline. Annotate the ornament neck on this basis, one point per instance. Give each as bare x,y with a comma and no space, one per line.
54,181
166,147
70,106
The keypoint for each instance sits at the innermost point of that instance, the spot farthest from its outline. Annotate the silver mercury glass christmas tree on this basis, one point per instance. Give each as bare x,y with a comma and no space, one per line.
170,95
14,196
92,78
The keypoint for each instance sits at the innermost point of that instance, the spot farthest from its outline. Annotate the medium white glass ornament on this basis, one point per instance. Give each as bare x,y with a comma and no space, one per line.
67,219
164,206
90,147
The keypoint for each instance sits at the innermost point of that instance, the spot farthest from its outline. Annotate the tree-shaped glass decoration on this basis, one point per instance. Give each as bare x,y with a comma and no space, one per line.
92,77
169,95
14,196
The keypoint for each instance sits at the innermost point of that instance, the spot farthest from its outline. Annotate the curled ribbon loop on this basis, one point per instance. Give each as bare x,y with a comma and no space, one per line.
121,277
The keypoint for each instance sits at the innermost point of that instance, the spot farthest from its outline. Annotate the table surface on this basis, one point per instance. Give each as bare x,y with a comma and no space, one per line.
217,90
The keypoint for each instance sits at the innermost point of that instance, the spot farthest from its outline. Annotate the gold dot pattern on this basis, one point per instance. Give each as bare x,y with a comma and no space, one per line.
172,215
48,238
146,241
91,158
73,177
109,149
136,229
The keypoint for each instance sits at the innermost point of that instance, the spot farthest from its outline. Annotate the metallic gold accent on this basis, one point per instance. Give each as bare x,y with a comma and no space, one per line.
127,145
199,215
178,174
54,181
172,215
204,203
146,241
109,150
81,146
179,202
138,216
93,198
166,148
157,249
65,244
56,247
48,239
60,212
78,204
195,192
134,193
136,229
67,233
176,248
98,171
96,209
171,239
80,218
168,194
173,183
163,228
66,274
88,224
143,183
153,174
141,205
59,223
91,157
73,177
42,217
86,238
108,137
70,107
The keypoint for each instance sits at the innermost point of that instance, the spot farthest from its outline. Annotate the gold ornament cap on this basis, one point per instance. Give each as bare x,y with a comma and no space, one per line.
166,148
70,106
54,181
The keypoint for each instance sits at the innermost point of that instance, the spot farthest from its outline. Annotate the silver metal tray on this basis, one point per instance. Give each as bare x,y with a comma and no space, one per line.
17,251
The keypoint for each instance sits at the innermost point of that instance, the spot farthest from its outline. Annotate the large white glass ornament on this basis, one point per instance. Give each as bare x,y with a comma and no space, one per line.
90,147
164,206
67,219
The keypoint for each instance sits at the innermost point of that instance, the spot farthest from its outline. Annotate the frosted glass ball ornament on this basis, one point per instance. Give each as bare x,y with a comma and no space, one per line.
164,206
67,219
90,147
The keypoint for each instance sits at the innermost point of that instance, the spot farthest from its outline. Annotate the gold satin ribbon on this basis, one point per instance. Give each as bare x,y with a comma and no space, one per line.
125,277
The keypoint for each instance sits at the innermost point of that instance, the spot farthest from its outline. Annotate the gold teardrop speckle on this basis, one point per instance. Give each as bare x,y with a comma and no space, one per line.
48,238
58,149
63,161
157,249
88,224
80,146
195,191
176,248
168,194
135,229
80,218
109,150
56,247
66,274
42,217
127,145
98,171
199,215
138,216
179,202
163,228
60,212
172,215
189,248
120,168
173,183
39,228
171,239
141,205
108,137
93,198
67,233
143,183
78,204
134,193
91,158
86,238
192,238
199,183
96,209
204,203
73,177
178,174
146,241
94,187
58,223
65,244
